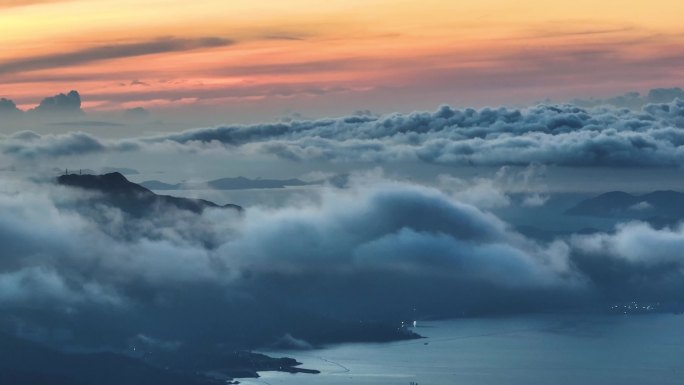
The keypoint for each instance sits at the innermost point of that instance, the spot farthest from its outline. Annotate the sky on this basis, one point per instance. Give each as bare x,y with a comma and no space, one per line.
246,61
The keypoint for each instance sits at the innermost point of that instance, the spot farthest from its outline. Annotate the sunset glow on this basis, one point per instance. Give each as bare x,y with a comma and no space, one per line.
154,53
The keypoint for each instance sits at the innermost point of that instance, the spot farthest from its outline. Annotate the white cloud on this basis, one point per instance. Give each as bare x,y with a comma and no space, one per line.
563,135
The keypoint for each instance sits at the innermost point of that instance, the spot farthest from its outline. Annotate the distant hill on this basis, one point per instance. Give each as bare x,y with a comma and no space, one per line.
103,170
27,363
157,185
131,197
239,183
658,206
122,170
245,183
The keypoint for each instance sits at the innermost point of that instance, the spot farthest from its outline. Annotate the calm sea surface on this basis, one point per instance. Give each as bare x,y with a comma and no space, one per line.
640,349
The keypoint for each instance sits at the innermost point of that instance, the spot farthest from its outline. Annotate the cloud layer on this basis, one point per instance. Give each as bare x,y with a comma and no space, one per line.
564,135
378,250
636,261
380,239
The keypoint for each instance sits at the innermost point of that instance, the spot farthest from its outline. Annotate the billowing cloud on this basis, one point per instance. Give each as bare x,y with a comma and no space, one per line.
636,260
481,192
61,104
57,105
545,134
8,108
563,135
382,238
29,145
494,192
374,250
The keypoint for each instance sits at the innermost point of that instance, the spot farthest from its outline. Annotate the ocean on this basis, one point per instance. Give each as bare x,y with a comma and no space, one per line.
558,350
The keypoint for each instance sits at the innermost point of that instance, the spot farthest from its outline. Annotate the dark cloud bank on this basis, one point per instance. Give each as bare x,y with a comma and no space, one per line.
111,51
567,135
59,105
63,106
91,276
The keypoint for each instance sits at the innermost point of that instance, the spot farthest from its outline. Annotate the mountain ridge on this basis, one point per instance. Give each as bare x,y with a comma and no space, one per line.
132,197
228,183
660,205
23,361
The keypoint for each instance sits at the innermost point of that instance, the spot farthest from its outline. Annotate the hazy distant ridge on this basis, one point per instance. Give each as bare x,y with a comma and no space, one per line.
134,198
618,204
238,183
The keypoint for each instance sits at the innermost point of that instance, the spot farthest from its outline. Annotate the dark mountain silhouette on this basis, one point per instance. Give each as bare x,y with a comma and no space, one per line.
27,363
659,206
131,197
239,183
158,185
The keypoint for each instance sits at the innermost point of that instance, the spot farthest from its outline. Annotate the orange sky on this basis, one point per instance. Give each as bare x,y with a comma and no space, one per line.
339,54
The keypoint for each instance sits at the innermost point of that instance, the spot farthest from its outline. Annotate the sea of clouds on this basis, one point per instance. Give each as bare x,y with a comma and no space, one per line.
377,249
565,135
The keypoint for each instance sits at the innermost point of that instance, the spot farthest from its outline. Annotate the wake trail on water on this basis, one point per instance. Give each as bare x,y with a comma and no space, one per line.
344,368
